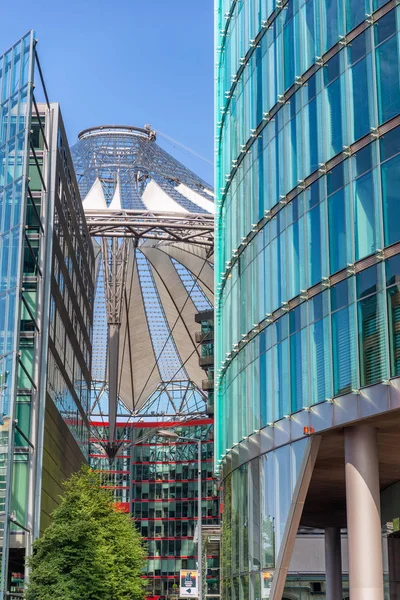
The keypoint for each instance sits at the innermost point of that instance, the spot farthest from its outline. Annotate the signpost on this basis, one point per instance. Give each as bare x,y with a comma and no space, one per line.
189,584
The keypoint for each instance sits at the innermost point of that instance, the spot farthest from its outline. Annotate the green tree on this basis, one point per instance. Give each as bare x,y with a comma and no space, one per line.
91,551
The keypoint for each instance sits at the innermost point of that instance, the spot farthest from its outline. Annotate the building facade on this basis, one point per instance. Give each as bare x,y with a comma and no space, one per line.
116,476
307,272
165,503
46,311
156,482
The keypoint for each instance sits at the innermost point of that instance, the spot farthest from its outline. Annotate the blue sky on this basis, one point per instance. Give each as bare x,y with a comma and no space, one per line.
127,62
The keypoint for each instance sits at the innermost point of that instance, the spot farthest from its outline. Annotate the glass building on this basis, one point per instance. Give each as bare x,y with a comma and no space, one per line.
307,287
46,311
165,503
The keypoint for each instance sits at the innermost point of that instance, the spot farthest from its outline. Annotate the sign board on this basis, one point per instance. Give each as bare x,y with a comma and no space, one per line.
189,581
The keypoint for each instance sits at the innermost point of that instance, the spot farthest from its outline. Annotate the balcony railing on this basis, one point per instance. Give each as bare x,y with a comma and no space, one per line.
207,385
206,361
204,336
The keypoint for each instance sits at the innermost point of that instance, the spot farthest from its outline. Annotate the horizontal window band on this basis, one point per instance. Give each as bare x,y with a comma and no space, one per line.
323,170
346,273
295,87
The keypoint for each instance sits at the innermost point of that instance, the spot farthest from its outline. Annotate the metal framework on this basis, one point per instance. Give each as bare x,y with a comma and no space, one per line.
152,218
192,228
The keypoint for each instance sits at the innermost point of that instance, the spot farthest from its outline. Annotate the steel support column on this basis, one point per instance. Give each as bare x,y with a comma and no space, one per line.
113,361
333,563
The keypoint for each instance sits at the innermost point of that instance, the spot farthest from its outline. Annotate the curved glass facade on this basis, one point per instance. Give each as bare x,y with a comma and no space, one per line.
307,232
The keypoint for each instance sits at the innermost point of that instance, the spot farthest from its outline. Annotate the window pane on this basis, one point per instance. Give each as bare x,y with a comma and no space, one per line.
344,351
364,215
283,492
337,231
320,370
371,340
387,66
393,298
390,196
268,512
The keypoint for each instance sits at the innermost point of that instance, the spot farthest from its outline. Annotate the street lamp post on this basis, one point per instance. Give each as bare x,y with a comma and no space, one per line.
173,435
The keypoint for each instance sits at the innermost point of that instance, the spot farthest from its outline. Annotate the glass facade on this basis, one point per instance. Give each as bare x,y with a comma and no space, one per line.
27,306
256,501
307,238
16,78
71,303
165,502
117,476
156,481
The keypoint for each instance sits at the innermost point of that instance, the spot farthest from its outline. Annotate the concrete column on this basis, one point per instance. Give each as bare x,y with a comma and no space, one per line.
363,513
333,563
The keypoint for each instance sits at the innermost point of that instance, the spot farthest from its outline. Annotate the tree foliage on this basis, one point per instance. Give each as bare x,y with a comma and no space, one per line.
91,551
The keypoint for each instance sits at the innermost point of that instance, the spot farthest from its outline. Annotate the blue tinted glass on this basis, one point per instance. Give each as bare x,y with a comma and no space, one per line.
314,245
283,485
362,161
293,208
355,13
385,27
390,144
337,231
393,298
387,67
296,365
313,194
335,179
340,295
334,139
313,134
390,195
364,215
378,3
311,87
316,308
320,377
282,328
333,22
371,340
359,47
366,282
297,318
288,51
294,319
392,268
332,69
309,33
343,351
361,76
283,378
